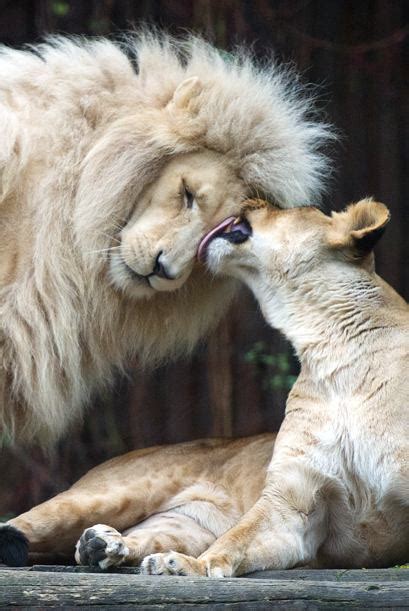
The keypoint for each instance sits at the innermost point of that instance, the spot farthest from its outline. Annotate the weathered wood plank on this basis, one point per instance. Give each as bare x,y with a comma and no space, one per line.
370,575
31,588
343,575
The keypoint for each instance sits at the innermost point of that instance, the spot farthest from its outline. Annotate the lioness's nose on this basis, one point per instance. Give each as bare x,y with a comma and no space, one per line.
160,268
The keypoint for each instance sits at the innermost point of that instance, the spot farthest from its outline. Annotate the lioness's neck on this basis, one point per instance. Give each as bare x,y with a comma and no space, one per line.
329,315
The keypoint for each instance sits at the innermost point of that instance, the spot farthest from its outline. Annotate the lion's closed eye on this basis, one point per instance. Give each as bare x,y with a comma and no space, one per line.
189,197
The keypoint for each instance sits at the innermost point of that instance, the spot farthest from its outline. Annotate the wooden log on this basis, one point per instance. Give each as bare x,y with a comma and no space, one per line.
47,589
369,575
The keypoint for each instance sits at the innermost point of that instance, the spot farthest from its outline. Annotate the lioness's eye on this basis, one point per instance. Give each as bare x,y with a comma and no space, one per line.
188,196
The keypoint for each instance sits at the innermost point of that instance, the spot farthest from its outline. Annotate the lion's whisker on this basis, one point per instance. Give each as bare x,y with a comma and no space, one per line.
110,237
117,226
109,249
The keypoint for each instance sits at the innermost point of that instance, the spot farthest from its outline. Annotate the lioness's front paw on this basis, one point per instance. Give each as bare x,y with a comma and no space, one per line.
171,563
101,546
217,566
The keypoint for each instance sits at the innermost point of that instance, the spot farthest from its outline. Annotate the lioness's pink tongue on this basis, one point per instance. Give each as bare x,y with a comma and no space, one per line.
205,241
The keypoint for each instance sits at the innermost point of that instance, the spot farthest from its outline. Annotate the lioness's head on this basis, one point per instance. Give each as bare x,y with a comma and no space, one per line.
155,250
274,247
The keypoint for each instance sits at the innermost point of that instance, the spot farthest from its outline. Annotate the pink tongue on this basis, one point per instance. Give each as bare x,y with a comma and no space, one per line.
205,241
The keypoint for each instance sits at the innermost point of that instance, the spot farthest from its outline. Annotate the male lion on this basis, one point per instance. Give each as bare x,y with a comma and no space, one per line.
336,491
113,162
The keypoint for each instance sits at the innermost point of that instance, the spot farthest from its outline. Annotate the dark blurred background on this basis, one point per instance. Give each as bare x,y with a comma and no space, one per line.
236,382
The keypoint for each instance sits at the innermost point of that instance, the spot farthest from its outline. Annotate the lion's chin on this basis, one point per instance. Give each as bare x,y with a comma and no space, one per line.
123,281
133,288
163,284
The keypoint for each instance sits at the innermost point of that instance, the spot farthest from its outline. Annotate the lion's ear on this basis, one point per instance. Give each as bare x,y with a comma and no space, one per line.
358,228
185,92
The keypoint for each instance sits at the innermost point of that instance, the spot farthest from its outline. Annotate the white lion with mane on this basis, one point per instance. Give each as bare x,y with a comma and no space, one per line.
114,160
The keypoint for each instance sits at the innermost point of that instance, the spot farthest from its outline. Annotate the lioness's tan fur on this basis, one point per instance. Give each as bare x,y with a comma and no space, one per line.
337,487
87,185
336,492
178,497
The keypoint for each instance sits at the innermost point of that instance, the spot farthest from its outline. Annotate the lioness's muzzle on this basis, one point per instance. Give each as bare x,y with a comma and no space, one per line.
235,229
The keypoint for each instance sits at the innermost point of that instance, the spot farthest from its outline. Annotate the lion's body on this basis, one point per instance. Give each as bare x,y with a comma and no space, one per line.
84,135
179,497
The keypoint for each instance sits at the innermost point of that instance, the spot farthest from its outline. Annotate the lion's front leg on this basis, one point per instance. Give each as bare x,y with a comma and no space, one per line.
105,547
224,558
284,528
55,525
174,563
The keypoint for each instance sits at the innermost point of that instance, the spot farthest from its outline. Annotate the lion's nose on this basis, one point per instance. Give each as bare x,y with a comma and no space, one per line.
160,268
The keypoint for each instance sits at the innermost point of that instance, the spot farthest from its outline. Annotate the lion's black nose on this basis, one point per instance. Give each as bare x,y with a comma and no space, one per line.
160,269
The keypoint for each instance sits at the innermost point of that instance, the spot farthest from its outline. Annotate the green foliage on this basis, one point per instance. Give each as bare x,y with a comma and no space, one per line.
6,517
60,8
99,26
275,368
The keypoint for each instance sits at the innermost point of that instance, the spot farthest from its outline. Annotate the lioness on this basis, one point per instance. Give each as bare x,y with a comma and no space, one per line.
336,492
114,160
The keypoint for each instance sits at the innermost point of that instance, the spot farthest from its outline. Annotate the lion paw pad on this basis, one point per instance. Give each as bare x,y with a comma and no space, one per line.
101,546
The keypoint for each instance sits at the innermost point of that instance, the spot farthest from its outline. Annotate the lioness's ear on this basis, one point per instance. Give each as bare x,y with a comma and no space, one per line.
185,92
358,228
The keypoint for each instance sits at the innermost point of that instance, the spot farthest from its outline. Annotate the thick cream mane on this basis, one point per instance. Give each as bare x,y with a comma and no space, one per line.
83,132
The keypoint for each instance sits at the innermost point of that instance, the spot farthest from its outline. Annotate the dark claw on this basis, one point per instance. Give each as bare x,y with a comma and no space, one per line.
152,567
92,548
89,534
95,557
83,555
96,544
